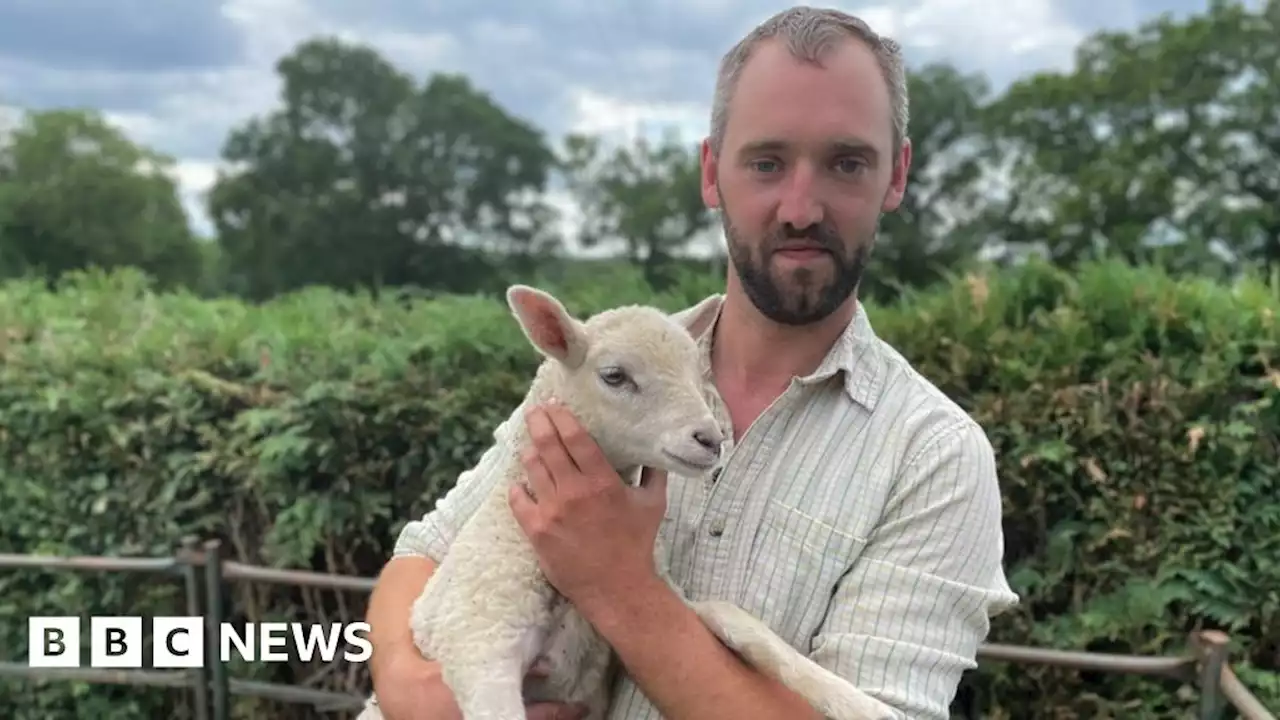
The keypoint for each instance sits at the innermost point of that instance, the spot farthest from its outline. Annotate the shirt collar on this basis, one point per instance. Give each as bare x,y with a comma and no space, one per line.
855,356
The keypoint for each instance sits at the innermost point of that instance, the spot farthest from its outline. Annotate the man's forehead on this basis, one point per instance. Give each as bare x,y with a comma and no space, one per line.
785,103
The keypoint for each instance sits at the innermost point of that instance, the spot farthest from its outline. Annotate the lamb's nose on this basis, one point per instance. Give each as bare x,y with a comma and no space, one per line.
709,440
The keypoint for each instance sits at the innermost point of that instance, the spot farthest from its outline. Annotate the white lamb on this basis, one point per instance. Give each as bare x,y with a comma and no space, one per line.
631,376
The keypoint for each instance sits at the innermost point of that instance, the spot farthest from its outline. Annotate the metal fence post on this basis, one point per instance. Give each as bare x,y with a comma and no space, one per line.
1211,654
187,557
213,620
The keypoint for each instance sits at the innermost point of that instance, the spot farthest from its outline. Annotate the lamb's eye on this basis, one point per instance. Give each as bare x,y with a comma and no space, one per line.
614,376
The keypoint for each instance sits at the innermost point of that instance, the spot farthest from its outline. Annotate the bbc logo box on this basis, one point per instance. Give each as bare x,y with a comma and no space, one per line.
115,642
180,642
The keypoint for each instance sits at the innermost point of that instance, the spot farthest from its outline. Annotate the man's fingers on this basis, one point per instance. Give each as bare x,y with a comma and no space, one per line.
523,497
548,444
537,476
521,504
582,449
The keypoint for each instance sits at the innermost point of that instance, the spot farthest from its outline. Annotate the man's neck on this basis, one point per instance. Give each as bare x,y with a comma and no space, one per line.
752,352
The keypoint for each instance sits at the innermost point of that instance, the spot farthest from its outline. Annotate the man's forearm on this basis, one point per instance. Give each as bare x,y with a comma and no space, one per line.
682,667
397,587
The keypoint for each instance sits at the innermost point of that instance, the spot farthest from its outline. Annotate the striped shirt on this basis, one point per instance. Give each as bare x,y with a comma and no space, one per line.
859,517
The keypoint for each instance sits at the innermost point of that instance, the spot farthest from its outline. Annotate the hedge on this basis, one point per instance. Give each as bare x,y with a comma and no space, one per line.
1133,414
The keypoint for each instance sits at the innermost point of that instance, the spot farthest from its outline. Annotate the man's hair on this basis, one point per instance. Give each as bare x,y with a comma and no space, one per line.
808,32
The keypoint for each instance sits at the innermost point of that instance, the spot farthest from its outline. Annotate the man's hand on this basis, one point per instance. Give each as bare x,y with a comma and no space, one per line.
593,534
411,688
595,537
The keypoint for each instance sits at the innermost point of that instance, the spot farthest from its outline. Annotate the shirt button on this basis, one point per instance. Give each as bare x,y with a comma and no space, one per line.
715,474
717,528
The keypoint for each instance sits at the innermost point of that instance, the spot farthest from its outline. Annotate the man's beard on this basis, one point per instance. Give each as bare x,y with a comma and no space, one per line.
801,301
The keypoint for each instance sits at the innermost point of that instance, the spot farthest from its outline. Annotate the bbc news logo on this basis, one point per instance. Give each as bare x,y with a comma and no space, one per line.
179,642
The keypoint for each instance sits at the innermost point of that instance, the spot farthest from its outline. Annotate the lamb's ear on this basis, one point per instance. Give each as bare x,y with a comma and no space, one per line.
548,325
698,318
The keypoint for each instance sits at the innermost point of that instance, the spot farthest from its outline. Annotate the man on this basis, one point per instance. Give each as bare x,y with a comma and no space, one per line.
858,511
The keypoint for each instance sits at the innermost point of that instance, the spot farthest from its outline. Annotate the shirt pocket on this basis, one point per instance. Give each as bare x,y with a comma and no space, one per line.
795,564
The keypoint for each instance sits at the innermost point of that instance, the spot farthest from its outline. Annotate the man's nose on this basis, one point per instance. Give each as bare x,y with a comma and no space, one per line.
799,205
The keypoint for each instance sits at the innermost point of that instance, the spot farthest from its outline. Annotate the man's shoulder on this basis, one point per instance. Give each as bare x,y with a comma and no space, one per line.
922,413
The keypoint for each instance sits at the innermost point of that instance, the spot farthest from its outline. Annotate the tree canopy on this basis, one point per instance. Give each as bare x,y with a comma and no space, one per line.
1159,145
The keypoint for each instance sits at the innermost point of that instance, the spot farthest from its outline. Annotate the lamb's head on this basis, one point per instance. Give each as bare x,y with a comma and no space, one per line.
632,378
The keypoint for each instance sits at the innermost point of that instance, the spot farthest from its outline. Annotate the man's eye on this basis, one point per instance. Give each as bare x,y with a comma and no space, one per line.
850,165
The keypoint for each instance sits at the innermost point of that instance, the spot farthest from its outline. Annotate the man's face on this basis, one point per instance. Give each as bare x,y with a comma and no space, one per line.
805,170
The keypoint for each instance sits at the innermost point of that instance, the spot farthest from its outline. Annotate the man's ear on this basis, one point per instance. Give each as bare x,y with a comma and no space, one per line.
898,183
709,176
549,327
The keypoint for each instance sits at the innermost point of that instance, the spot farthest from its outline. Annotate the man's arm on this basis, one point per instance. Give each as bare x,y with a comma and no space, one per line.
399,583
682,667
906,621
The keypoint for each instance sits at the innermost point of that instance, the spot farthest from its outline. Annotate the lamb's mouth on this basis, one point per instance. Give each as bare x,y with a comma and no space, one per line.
697,466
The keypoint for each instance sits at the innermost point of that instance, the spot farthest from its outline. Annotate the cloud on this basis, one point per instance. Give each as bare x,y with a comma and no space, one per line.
596,113
119,36
1016,34
179,76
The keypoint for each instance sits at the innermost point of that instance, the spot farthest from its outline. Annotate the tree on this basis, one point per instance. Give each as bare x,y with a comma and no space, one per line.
646,197
365,179
1161,145
936,230
76,193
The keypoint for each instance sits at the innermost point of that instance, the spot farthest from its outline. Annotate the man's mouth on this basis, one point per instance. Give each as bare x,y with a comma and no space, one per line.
801,251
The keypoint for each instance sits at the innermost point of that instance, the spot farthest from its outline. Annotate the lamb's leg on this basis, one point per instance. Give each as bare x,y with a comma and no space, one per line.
484,656
595,672
483,614
761,648
575,661
596,687
490,689
595,680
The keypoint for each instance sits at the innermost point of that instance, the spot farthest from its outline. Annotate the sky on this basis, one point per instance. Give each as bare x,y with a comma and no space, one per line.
178,76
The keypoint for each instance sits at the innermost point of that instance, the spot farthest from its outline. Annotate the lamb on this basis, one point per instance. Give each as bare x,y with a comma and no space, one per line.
631,375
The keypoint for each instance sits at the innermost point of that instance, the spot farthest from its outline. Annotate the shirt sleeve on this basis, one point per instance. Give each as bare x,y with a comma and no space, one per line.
431,535
907,620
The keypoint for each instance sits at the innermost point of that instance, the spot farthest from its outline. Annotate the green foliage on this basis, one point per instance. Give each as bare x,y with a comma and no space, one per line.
364,179
648,197
940,224
1158,146
76,193
1134,417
